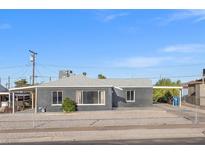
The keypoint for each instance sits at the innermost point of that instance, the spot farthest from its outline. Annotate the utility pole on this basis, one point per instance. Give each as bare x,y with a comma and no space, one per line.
9,82
33,60
30,80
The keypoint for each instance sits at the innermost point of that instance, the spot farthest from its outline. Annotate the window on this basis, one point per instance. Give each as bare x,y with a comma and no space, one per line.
90,97
57,97
130,96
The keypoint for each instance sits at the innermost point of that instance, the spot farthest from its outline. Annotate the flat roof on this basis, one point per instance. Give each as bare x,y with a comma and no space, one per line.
23,88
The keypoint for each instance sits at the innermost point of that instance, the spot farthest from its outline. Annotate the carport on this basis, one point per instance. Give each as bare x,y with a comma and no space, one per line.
180,88
30,89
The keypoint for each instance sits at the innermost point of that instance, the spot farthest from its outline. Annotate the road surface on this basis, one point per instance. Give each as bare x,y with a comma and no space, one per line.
168,141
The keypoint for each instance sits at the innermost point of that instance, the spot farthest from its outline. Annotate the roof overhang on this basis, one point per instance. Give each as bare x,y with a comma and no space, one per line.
136,86
4,93
93,86
77,86
167,87
104,86
23,88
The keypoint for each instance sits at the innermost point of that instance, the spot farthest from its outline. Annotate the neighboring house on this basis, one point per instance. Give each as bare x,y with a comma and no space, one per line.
196,92
4,93
90,94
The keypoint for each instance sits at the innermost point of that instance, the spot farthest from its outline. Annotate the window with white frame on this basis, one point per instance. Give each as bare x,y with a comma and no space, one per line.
90,97
130,96
57,97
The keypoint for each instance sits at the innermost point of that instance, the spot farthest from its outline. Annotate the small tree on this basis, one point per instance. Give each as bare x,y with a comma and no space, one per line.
21,83
100,76
84,73
69,105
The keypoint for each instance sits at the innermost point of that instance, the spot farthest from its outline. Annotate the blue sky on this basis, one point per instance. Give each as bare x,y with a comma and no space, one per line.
116,43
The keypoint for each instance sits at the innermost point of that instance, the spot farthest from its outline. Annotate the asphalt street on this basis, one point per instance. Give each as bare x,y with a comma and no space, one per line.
167,141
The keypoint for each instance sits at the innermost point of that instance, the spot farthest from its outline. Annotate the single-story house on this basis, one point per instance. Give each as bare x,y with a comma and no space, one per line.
196,92
89,93
4,98
4,93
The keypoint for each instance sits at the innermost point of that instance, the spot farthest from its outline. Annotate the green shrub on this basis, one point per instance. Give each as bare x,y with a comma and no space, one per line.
69,105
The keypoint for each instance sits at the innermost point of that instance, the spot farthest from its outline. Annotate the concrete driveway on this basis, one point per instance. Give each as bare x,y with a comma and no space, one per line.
135,116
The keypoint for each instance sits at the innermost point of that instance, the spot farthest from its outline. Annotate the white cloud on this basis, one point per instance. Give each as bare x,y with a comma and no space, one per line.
113,16
5,26
195,15
185,48
141,62
108,15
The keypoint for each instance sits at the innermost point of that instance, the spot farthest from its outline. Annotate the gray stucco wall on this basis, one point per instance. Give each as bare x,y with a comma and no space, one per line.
143,97
44,98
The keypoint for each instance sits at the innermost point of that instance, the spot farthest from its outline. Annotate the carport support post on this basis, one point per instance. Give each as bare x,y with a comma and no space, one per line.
36,99
13,101
9,99
180,97
32,100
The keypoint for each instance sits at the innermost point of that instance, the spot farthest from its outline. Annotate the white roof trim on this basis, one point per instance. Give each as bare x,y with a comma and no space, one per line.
4,93
135,86
77,86
23,88
167,87
118,88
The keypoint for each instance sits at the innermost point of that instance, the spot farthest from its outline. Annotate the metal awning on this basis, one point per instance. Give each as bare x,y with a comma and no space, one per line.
4,93
23,88
167,87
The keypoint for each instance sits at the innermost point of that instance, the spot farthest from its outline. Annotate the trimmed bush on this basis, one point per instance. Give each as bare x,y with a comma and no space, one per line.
69,105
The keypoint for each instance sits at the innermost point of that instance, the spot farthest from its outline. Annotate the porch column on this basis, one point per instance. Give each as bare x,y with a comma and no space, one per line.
9,99
180,97
32,100
13,101
36,99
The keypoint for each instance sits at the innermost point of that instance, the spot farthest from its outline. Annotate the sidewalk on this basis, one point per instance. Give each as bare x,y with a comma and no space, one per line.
193,107
135,116
101,135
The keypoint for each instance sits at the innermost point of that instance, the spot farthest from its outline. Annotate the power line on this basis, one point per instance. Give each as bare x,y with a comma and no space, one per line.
167,76
119,67
13,67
